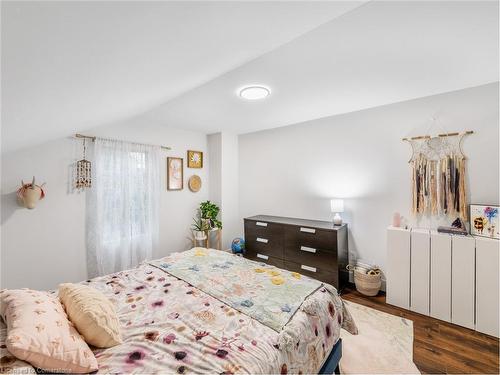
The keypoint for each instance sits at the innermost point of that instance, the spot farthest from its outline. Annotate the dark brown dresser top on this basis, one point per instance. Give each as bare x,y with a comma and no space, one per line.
328,225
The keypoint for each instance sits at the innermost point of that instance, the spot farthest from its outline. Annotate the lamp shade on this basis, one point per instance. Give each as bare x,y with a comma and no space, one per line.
337,205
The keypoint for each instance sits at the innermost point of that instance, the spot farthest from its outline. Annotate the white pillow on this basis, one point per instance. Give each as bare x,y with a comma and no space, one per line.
93,315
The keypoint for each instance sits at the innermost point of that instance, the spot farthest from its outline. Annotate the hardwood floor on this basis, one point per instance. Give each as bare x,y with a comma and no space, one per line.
440,347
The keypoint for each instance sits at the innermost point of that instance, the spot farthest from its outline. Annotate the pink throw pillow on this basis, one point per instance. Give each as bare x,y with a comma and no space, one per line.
39,332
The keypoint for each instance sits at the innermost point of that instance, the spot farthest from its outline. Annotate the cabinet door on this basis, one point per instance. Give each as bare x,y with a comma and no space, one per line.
487,285
420,271
463,281
398,267
440,307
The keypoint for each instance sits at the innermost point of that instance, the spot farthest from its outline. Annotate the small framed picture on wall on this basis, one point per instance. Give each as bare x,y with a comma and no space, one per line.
195,159
484,221
175,173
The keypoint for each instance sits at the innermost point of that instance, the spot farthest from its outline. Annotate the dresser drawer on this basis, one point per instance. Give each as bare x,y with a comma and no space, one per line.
270,246
295,237
261,258
263,229
311,256
326,274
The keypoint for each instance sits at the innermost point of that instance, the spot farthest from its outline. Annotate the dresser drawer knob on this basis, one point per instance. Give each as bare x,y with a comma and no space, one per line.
307,230
307,268
261,224
263,240
262,256
308,249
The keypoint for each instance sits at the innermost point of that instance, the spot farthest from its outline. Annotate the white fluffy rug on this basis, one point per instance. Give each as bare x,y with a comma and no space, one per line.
384,344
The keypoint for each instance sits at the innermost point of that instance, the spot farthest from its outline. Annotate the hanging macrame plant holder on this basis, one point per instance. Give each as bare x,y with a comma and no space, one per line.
83,171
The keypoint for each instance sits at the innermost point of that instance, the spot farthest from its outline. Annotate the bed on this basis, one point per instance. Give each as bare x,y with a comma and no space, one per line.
173,322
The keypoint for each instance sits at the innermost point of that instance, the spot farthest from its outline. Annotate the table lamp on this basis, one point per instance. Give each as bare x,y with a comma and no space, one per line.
337,206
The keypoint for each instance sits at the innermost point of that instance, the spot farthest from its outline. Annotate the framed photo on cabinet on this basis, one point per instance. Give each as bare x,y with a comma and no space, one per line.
195,159
175,173
484,221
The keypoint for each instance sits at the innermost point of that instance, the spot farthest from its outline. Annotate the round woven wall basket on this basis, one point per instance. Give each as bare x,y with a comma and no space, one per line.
369,285
194,183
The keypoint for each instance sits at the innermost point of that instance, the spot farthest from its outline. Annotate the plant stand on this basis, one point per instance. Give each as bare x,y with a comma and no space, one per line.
207,241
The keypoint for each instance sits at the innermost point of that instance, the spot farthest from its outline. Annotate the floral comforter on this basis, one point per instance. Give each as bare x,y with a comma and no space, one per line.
170,326
267,294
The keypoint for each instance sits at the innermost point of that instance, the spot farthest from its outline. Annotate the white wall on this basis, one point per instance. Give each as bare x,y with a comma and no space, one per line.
359,156
223,150
290,171
215,154
230,193
43,247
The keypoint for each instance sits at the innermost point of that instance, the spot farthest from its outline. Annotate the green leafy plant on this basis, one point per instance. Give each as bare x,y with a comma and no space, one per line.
210,211
199,225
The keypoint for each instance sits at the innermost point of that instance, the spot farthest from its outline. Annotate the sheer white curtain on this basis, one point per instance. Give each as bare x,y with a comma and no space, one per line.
122,214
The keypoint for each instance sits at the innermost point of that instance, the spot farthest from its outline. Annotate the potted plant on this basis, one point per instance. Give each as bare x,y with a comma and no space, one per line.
209,212
199,228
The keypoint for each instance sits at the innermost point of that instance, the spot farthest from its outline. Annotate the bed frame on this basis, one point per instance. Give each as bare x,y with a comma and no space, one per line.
332,363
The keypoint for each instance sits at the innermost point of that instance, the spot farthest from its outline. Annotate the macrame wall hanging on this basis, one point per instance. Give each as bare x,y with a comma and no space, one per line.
83,177
438,167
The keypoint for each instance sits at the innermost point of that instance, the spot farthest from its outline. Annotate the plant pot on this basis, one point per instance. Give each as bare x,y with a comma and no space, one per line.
200,235
207,223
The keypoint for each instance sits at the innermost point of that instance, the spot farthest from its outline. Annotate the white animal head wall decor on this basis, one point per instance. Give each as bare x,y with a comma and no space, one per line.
29,194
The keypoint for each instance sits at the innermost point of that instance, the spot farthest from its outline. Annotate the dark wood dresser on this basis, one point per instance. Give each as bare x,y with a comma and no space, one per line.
317,249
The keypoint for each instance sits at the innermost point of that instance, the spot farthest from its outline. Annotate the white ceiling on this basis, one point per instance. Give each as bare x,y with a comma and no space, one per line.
70,66
377,54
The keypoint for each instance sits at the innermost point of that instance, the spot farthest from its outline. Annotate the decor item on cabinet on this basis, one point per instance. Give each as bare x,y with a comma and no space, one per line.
484,221
337,207
438,175
194,183
200,229
195,159
175,173
29,194
366,278
313,248
210,211
238,246
83,178
457,227
396,220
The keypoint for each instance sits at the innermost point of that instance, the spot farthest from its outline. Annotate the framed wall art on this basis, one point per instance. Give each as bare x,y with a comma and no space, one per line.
484,221
175,173
195,159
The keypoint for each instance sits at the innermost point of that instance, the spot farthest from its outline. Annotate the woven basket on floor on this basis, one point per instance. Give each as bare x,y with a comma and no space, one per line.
369,285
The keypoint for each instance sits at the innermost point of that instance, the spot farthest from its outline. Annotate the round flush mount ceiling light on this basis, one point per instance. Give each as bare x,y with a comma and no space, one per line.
254,92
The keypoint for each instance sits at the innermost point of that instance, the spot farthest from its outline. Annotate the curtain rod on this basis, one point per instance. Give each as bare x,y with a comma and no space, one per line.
94,138
439,135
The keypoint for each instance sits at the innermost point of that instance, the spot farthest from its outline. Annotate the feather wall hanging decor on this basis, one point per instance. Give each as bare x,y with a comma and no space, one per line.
438,172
